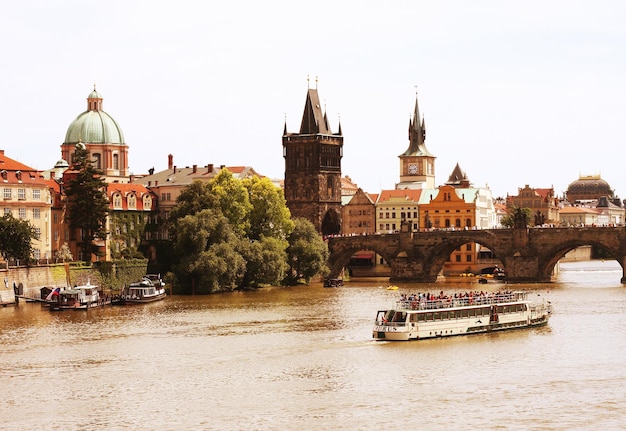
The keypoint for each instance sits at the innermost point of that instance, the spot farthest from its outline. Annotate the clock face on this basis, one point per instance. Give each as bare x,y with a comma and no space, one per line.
412,169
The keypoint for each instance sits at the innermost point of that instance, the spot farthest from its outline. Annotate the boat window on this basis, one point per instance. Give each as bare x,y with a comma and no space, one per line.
414,317
421,317
444,315
463,313
485,311
437,316
472,312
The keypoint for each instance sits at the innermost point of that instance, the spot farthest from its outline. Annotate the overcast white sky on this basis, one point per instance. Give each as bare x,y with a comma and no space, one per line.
516,92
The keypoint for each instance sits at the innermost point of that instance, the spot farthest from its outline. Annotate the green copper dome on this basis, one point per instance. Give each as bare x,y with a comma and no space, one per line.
94,126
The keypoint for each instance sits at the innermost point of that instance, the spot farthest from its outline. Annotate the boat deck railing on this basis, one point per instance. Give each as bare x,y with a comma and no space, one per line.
464,301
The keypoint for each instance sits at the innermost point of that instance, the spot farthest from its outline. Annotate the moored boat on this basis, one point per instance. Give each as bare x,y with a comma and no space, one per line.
429,316
142,292
76,298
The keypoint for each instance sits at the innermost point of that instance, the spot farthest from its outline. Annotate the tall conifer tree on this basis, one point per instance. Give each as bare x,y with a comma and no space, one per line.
87,203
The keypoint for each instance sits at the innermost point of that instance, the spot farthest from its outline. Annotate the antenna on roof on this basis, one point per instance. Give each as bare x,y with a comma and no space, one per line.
308,82
316,82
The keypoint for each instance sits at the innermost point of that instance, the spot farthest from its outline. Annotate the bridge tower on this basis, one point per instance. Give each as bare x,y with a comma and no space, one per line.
417,164
313,168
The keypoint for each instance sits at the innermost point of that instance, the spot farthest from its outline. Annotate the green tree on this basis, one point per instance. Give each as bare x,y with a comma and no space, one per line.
231,197
307,253
87,203
517,218
192,199
207,250
269,216
266,261
16,238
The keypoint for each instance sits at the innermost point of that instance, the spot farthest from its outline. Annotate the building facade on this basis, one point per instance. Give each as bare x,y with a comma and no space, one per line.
27,195
543,204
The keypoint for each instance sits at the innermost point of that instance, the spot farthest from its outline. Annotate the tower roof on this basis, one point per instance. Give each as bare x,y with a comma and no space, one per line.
94,126
458,178
417,135
314,120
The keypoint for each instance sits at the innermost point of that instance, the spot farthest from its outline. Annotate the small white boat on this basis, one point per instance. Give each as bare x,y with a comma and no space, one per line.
431,316
75,298
142,292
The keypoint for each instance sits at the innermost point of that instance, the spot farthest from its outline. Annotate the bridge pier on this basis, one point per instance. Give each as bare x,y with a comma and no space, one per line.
408,270
522,269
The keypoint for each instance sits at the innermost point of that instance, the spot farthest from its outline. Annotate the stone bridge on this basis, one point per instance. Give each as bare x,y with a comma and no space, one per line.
528,255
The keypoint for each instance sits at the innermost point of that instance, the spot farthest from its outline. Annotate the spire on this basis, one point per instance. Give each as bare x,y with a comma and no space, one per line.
314,121
417,134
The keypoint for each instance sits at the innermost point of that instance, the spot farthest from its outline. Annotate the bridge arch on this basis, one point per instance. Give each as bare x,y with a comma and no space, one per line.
440,254
551,256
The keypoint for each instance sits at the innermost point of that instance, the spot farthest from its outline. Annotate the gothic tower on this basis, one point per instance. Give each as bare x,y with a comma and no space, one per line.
417,164
313,169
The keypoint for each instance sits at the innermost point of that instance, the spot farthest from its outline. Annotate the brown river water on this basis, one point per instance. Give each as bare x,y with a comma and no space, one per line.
303,359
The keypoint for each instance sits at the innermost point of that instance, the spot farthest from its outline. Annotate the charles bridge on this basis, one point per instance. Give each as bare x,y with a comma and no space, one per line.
528,255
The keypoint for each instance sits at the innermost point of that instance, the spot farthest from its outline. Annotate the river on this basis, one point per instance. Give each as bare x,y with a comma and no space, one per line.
302,358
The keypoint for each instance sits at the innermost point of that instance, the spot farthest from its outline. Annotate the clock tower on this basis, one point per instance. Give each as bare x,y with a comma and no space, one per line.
313,169
417,164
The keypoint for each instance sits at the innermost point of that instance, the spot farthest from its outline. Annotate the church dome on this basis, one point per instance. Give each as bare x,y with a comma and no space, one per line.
588,188
94,126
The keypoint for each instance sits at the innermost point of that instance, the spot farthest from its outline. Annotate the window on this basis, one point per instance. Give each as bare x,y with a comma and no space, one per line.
36,213
116,161
36,194
37,233
7,211
21,194
97,162
37,254
22,213
117,201
132,201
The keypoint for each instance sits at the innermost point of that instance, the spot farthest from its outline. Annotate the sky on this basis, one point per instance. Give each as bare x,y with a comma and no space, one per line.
516,92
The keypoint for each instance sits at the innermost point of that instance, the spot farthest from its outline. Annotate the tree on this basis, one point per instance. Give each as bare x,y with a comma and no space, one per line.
231,197
192,199
307,253
207,250
16,238
517,218
87,203
266,261
269,216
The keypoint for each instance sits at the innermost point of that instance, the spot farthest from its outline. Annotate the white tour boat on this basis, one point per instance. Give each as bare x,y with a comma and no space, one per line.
143,291
429,316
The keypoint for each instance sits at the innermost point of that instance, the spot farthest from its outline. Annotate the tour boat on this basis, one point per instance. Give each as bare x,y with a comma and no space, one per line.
142,292
75,298
429,316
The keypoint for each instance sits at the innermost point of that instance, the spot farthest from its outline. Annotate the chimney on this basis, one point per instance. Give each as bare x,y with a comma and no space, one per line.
174,169
195,169
170,161
209,168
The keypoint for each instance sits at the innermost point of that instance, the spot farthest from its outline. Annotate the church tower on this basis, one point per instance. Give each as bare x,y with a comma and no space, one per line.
102,136
417,164
313,169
